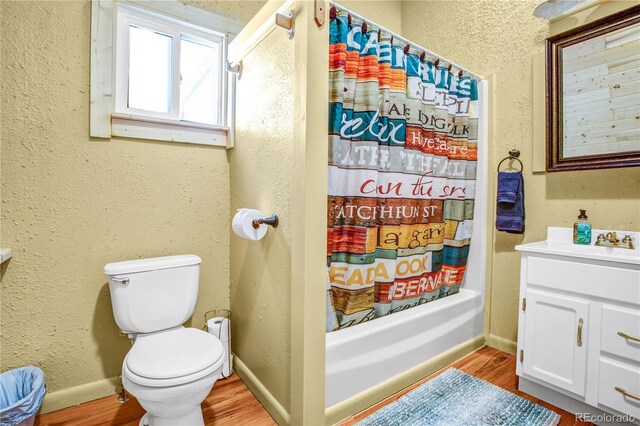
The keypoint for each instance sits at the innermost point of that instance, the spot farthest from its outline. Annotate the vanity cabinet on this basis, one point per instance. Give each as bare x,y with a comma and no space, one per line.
579,326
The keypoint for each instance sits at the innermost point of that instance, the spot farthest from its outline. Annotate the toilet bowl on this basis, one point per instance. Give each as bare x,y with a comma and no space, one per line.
171,372
170,369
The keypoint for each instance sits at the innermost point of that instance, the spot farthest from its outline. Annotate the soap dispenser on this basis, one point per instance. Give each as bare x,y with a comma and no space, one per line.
582,229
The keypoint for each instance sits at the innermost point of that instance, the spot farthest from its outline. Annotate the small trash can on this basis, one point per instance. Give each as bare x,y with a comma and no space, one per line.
21,394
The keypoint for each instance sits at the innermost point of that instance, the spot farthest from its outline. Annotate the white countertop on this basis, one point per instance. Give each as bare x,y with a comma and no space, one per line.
560,242
5,254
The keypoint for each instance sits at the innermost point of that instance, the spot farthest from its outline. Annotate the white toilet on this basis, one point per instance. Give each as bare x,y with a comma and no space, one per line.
170,369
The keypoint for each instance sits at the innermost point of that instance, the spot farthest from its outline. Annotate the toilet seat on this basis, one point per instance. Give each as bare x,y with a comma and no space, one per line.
173,357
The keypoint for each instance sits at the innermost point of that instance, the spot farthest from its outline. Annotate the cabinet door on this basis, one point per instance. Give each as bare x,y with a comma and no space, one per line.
555,340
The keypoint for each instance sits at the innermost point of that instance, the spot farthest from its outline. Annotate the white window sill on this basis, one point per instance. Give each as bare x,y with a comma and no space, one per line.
139,127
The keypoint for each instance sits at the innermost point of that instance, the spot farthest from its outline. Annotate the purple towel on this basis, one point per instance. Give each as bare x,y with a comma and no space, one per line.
510,202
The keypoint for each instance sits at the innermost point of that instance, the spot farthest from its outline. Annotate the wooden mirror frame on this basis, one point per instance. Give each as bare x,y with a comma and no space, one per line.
554,119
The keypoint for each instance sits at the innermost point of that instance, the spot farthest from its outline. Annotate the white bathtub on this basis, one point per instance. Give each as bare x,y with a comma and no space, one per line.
362,356
367,354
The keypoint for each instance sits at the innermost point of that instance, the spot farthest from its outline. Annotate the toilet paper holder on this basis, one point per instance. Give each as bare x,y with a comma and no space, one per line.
271,221
214,321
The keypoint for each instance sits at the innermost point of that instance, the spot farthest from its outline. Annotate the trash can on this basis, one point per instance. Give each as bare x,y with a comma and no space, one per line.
21,394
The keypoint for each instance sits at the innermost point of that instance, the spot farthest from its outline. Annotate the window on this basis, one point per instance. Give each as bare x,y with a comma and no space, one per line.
168,70
159,72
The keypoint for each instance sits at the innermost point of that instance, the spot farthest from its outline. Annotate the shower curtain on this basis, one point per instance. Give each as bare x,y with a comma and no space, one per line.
402,168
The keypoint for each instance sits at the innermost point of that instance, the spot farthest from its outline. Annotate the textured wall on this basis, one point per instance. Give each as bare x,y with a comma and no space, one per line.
241,10
387,13
499,37
261,169
71,204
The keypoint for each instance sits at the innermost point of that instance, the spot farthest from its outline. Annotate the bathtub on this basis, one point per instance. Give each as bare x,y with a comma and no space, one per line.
361,357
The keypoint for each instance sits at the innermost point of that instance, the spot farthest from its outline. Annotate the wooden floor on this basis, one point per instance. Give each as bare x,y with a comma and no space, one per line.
487,364
231,402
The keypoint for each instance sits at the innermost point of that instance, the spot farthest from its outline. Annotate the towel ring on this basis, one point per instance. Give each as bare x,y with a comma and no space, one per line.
513,155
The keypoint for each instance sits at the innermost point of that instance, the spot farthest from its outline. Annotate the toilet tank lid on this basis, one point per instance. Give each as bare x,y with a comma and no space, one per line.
155,263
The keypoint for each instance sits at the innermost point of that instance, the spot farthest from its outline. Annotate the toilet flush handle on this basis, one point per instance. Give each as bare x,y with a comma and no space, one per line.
124,281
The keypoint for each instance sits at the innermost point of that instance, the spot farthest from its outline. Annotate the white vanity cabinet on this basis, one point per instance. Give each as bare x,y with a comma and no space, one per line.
579,326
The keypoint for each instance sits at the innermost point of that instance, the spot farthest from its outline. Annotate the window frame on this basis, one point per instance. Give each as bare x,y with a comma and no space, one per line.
109,80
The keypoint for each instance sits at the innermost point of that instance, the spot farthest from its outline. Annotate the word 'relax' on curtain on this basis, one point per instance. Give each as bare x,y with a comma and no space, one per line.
402,169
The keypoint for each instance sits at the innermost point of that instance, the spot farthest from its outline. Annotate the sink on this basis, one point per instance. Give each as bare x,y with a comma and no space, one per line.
560,242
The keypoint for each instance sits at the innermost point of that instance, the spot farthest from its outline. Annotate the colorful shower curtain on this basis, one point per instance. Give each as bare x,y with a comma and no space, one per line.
402,169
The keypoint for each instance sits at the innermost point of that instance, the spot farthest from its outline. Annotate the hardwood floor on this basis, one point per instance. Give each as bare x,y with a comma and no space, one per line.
230,403
488,364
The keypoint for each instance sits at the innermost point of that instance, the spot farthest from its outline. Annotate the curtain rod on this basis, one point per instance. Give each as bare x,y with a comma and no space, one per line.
404,40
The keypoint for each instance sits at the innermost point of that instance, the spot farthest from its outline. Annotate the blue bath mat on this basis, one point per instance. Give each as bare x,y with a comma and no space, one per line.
455,398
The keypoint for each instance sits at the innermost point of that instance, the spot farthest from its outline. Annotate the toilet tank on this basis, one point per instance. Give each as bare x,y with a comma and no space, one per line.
155,294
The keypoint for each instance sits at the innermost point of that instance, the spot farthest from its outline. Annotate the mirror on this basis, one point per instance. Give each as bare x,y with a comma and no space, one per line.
593,94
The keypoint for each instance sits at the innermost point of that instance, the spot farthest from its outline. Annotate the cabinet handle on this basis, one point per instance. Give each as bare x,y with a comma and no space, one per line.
628,336
580,323
627,394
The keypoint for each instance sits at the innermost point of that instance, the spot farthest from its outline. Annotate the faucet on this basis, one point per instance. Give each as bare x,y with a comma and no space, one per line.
612,237
611,240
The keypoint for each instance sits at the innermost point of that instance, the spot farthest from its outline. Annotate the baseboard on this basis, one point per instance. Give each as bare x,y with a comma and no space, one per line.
69,397
270,403
375,394
502,344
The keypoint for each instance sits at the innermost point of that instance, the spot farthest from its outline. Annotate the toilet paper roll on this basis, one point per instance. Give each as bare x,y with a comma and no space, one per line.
219,327
242,224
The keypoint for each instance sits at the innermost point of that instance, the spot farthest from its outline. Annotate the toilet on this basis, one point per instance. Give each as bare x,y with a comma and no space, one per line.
171,368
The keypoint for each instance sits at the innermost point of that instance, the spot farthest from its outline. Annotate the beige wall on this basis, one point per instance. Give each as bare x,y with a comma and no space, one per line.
470,33
71,204
387,13
261,167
